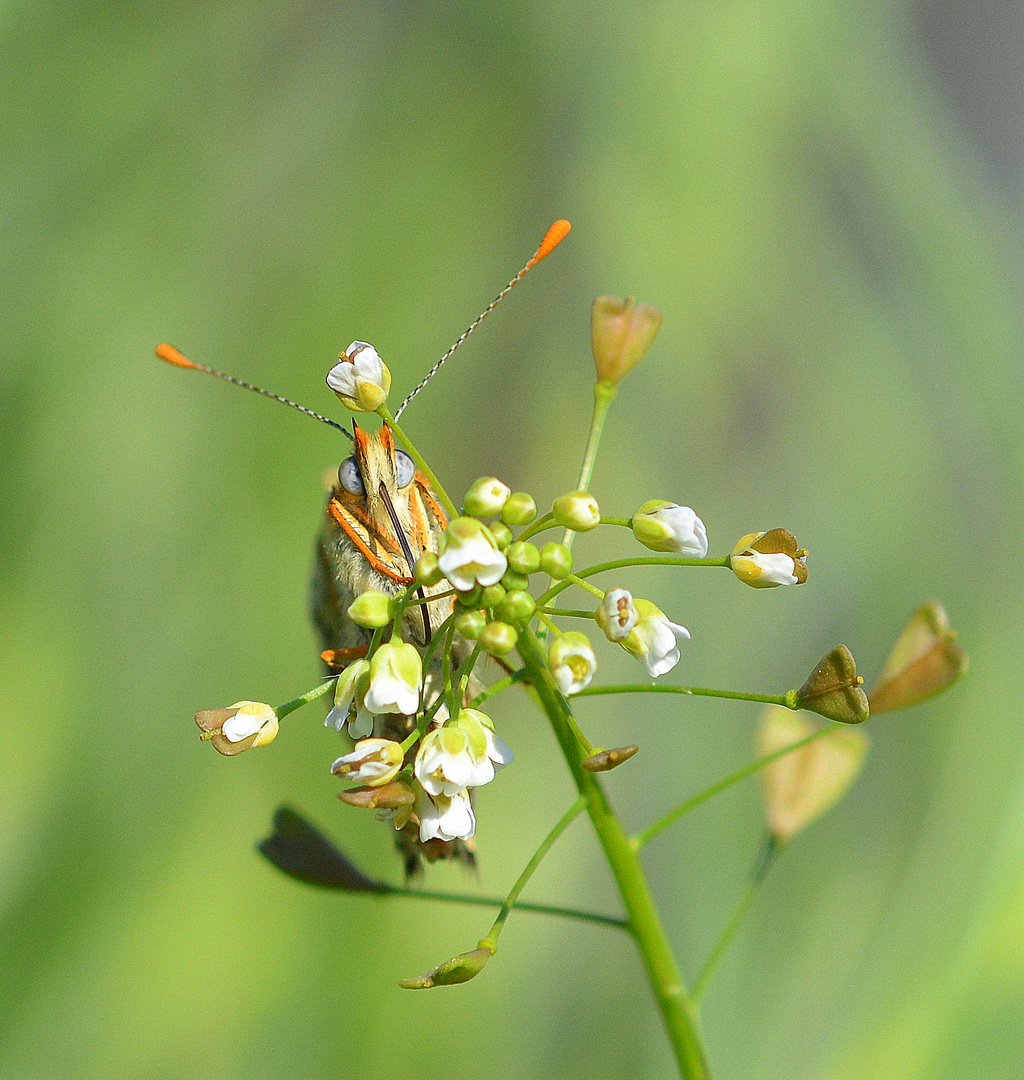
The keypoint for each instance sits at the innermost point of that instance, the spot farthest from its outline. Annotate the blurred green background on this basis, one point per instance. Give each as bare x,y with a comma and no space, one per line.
823,197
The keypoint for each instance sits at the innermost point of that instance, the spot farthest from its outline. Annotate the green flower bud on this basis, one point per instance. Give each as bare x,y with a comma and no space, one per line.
517,608
515,582
577,511
834,689
425,570
523,557
498,638
556,561
502,534
459,969
470,624
519,509
470,598
485,497
492,596
371,609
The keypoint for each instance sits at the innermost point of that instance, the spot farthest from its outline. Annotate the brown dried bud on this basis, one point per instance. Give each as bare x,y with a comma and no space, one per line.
621,334
604,760
390,797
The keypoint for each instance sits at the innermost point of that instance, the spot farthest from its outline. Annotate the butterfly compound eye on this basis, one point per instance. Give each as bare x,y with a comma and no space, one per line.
350,477
404,468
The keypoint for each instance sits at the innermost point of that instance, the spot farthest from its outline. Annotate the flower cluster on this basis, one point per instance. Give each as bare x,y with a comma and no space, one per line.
412,596
408,696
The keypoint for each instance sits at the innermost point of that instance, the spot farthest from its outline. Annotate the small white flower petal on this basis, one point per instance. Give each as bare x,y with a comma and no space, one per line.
241,726
617,614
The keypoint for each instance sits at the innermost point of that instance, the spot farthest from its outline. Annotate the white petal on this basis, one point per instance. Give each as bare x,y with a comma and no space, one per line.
361,725
665,662
777,567
498,751
241,726
342,378
455,818
337,718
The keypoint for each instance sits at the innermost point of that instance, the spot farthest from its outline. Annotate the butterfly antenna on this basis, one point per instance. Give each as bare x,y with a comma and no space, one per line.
552,238
172,356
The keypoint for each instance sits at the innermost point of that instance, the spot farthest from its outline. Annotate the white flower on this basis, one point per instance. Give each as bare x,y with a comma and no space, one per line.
360,378
665,526
348,701
617,614
766,559
765,570
653,640
469,555
572,662
463,753
373,762
445,818
396,672
251,718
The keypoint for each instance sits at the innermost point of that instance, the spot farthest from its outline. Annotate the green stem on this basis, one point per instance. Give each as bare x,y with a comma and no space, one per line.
663,973
497,901
617,564
765,860
572,613
446,672
306,698
592,589
604,395
491,940
466,670
733,778
693,691
542,523
421,464
497,687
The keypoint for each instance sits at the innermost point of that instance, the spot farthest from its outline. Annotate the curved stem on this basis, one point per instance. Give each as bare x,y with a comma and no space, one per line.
547,521
497,901
663,973
661,824
618,564
497,687
491,940
765,859
306,698
690,691
569,613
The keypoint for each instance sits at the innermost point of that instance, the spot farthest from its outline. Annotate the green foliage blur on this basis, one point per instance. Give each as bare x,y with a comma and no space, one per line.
824,199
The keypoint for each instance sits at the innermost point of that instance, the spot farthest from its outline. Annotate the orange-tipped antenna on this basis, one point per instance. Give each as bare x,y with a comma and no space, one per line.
552,238
172,356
